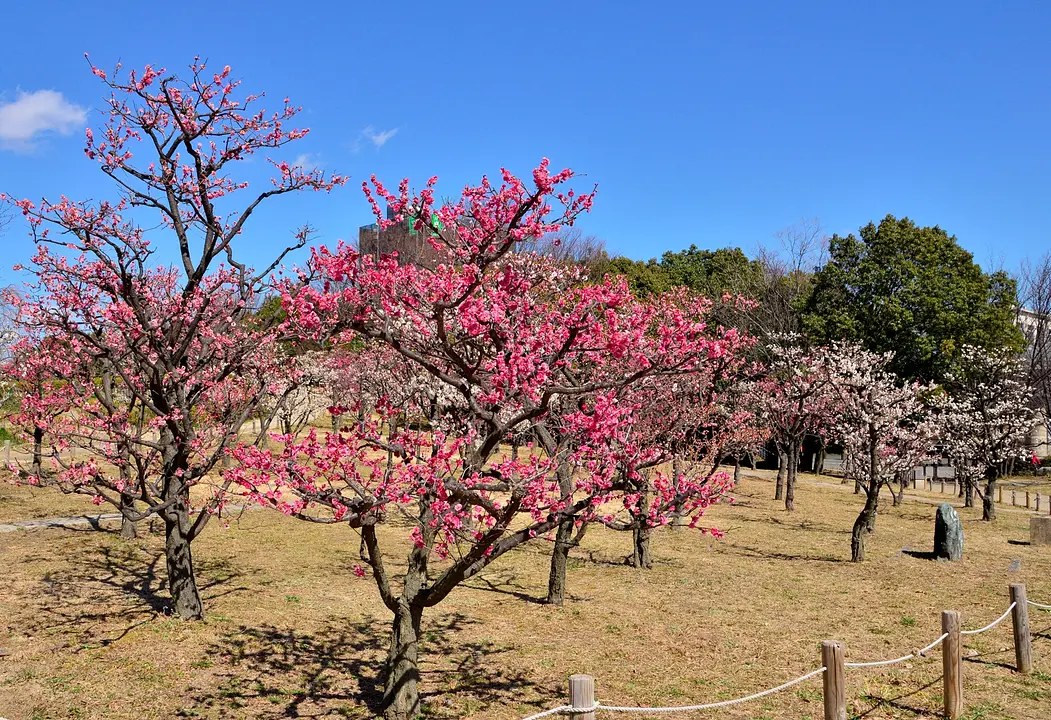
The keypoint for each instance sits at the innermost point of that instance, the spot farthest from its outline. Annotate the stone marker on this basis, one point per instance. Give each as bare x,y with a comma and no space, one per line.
1040,530
948,534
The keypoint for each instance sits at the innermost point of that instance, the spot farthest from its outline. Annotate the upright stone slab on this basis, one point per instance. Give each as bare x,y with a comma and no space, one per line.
948,534
1040,531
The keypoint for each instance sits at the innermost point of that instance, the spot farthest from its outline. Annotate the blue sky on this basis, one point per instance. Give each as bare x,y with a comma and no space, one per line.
713,124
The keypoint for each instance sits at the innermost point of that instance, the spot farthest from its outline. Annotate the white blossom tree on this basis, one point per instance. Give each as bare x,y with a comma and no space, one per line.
884,426
986,420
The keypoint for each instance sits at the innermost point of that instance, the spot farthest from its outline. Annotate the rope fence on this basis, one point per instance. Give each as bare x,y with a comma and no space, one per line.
993,624
914,654
583,705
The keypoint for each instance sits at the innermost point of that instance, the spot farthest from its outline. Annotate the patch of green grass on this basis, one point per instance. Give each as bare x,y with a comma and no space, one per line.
908,621
985,711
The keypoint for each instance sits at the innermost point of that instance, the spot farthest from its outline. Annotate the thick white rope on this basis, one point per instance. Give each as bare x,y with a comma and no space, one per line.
1045,607
918,653
991,625
707,706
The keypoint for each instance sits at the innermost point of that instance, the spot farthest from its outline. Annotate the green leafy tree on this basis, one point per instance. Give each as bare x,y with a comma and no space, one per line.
646,278
913,291
704,272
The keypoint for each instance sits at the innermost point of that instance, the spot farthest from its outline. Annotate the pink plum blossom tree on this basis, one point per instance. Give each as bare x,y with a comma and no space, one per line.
519,343
163,363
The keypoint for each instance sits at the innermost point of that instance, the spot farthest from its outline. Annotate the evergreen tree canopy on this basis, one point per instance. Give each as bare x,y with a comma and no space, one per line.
914,291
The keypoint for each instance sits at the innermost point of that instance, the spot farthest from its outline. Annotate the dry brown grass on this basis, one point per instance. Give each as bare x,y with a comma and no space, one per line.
291,633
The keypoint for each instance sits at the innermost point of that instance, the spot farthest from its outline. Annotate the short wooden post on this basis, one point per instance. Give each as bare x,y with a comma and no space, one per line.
1023,640
582,695
951,671
1026,499
1037,501
941,487
835,680
1014,497
999,493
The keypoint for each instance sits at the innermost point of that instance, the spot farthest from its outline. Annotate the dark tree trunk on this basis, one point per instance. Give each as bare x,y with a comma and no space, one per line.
866,520
782,468
182,583
38,451
870,522
861,524
641,557
128,530
401,695
556,579
127,499
968,495
820,470
737,471
792,476
676,480
989,500
899,496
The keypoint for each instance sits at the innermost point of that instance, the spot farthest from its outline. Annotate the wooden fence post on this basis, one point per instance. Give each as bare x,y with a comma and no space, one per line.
582,695
951,671
835,676
1020,623
1038,501
999,493
1026,499
1014,497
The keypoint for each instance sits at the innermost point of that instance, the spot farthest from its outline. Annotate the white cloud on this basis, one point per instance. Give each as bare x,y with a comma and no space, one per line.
307,162
37,113
379,139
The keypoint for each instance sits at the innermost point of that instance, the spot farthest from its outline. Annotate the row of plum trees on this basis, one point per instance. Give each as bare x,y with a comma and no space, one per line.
490,401
842,394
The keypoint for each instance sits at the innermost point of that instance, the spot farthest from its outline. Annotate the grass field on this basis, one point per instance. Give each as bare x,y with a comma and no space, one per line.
291,632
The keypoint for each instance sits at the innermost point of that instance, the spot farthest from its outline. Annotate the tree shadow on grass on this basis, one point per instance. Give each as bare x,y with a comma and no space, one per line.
896,703
1043,633
807,525
505,583
108,590
755,552
981,659
271,672
920,554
